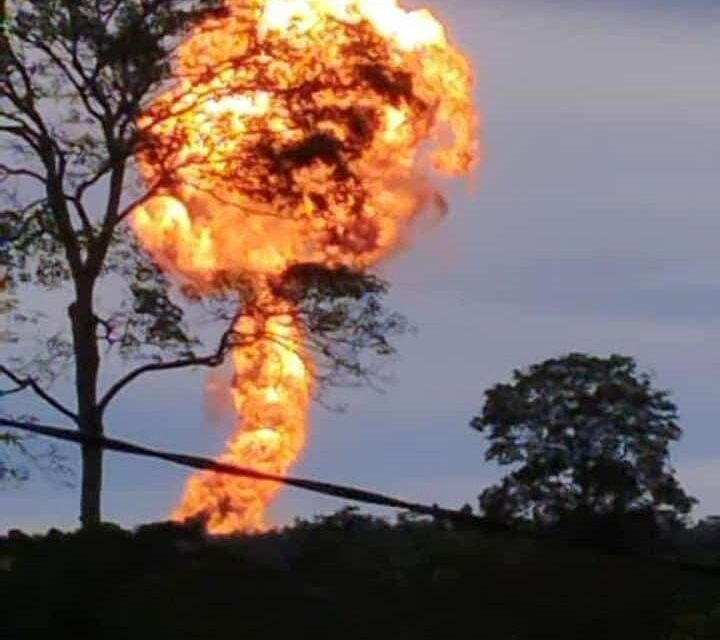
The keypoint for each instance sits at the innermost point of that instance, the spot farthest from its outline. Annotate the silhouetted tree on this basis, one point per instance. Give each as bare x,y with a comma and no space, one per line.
74,76
588,438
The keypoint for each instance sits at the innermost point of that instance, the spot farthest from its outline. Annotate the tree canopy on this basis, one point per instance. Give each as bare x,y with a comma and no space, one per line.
585,435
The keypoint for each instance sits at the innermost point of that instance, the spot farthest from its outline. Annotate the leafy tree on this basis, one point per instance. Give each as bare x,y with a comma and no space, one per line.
588,438
74,76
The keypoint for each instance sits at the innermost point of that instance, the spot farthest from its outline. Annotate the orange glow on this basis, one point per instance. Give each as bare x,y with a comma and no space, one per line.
271,391
295,131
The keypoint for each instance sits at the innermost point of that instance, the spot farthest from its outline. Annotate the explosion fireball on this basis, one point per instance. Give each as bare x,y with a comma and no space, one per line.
295,131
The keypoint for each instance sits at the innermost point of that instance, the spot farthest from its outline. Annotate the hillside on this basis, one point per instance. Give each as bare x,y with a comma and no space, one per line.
343,576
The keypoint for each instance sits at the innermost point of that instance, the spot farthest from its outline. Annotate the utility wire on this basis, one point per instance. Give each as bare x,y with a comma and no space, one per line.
324,488
207,464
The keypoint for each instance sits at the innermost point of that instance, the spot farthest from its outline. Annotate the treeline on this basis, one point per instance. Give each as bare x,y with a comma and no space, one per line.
345,576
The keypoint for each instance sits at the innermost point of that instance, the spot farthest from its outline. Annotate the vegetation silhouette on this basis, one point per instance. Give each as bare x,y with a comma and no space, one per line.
343,575
588,439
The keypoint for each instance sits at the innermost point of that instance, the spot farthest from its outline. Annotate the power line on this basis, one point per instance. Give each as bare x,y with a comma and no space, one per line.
196,462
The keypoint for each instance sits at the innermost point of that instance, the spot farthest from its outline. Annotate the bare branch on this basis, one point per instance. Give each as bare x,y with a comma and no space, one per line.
92,180
83,215
24,132
7,170
30,383
149,193
80,85
211,361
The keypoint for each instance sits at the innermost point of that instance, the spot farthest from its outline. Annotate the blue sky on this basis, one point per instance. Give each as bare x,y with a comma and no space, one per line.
594,226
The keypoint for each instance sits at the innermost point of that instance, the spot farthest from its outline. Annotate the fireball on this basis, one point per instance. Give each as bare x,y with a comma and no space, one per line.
294,131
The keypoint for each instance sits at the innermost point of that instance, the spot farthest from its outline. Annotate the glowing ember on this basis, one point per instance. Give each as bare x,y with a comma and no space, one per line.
296,131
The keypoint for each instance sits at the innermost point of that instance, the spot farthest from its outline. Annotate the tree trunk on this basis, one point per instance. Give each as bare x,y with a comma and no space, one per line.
90,500
87,363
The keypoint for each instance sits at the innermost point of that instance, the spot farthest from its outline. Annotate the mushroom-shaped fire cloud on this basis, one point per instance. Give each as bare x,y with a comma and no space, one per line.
294,131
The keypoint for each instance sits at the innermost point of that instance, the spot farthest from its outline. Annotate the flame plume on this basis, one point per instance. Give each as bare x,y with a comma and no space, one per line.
296,131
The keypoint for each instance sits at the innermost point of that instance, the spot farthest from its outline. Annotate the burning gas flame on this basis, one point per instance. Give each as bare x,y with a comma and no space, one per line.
296,131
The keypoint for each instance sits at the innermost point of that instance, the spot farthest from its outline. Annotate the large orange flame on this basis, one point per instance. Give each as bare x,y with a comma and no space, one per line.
296,131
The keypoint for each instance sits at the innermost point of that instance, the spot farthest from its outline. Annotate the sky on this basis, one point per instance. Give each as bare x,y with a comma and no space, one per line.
592,225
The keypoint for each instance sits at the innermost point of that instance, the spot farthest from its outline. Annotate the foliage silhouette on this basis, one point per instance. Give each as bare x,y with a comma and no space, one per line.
341,575
588,438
